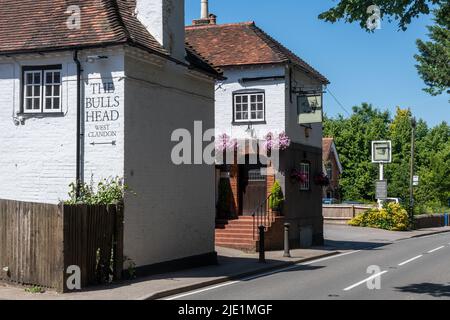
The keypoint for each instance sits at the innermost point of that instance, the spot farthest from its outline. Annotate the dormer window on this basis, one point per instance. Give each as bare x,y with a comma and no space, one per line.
249,107
42,90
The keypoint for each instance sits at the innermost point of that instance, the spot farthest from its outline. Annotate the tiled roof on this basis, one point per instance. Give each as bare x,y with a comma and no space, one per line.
326,148
41,25
38,25
226,45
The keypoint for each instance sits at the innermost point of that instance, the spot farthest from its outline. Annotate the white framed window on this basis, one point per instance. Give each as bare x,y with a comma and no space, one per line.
305,171
42,90
249,107
52,93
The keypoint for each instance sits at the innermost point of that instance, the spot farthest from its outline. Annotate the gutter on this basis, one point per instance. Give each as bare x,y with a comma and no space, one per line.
79,134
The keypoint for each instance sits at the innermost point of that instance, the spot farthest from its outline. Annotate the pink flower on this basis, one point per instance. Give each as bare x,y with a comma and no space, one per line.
225,143
280,142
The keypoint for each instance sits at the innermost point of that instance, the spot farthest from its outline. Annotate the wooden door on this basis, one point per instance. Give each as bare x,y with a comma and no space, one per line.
253,189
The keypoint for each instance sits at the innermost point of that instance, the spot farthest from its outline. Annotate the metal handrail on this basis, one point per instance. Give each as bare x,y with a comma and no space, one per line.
262,216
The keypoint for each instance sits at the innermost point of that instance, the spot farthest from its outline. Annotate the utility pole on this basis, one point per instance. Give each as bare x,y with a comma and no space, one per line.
411,182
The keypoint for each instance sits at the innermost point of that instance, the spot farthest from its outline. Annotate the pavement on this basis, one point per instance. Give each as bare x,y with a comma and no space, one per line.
233,266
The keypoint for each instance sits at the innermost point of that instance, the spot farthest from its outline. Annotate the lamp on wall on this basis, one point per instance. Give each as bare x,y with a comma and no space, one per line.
307,132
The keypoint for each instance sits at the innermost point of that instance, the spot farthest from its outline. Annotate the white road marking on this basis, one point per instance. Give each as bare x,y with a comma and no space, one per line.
365,280
261,275
410,260
434,250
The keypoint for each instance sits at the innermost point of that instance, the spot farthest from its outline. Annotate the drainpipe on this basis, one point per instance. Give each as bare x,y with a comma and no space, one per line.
79,176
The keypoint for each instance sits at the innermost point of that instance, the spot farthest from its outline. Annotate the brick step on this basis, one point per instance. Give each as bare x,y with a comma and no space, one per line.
245,248
239,223
236,241
235,236
234,231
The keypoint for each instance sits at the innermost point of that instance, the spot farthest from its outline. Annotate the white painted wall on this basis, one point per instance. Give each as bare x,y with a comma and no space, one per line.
38,157
172,211
274,95
172,214
281,114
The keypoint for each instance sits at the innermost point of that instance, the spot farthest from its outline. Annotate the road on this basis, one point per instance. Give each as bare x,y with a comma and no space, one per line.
417,268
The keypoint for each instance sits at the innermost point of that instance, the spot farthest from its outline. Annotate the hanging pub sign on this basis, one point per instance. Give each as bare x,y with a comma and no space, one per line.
381,152
310,106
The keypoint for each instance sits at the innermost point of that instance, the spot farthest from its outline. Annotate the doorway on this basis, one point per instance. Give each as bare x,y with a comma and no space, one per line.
252,188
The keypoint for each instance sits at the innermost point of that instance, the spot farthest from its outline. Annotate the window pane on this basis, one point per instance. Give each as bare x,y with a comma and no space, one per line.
57,77
238,99
37,91
238,108
56,90
245,107
253,115
48,77
48,103
260,107
260,115
36,104
29,104
238,116
37,78
29,91
56,103
253,98
29,79
244,115
260,98
48,91
245,99
253,107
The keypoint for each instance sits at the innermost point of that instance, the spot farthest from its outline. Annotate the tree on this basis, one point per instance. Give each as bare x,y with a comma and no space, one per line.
353,137
434,169
434,58
434,55
401,10
398,172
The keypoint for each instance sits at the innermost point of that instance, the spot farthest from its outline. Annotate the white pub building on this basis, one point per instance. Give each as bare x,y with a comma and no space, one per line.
94,90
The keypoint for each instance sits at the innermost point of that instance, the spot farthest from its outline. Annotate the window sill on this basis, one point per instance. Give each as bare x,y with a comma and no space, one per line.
248,123
41,115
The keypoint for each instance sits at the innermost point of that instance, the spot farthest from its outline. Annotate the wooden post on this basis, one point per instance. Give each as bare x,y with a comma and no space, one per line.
118,241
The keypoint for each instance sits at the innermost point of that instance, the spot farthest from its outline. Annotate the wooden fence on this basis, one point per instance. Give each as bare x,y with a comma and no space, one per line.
341,214
38,242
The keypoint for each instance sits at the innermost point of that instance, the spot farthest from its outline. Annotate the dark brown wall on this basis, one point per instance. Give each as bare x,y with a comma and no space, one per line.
303,208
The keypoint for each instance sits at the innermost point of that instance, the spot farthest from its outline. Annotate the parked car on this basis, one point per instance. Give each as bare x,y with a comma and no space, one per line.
351,202
329,201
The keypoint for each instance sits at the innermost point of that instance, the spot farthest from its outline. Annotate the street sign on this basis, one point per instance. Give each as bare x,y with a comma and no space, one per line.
381,152
416,181
381,189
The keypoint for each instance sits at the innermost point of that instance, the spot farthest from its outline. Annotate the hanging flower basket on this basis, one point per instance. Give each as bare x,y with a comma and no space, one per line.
276,142
225,143
298,176
321,180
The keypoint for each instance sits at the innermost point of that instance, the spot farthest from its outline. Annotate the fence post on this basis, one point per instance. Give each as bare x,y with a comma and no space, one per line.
287,253
262,253
118,241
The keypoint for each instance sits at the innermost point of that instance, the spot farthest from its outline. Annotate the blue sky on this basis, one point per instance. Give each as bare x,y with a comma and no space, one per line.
376,68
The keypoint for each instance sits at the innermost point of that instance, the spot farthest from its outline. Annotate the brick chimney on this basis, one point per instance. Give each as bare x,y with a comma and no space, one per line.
205,17
164,19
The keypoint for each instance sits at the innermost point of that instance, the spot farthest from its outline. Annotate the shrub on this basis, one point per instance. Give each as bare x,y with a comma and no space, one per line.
276,199
392,217
111,191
